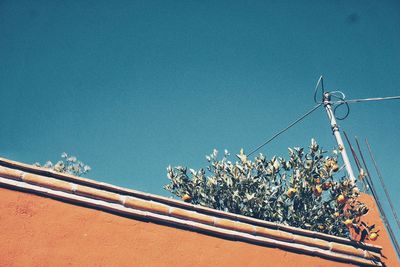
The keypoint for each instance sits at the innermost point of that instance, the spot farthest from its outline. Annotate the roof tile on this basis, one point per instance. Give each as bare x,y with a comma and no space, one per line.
202,219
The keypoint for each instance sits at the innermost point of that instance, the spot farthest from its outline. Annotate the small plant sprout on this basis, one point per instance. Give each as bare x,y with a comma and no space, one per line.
67,164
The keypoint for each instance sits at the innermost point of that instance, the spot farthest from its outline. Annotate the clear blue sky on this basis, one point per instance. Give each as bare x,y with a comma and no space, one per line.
132,86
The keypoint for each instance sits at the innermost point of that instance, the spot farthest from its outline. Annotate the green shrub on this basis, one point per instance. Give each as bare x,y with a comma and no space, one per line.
301,191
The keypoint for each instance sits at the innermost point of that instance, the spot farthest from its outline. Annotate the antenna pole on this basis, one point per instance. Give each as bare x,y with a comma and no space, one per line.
336,133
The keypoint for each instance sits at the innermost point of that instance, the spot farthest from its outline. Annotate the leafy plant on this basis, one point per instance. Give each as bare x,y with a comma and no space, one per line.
67,164
301,191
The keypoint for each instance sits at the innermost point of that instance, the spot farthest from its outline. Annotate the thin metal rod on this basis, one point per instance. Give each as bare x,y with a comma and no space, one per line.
339,140
370,183
352,152
378,203
366,99
383,183
369,178
285,129
358,163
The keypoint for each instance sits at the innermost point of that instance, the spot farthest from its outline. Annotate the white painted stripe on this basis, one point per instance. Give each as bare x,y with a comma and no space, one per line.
191,224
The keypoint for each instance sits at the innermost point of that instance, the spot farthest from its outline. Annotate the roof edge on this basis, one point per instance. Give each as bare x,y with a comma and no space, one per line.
160,212
221,227
177,203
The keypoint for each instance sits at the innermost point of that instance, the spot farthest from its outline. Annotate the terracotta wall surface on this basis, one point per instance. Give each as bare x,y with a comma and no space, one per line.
389,255
158,209
39,231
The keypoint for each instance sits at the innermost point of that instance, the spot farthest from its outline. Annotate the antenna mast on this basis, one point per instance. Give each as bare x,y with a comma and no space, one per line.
336,133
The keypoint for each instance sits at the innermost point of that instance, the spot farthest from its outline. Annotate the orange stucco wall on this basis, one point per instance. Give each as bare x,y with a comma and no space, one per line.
373,217
38,231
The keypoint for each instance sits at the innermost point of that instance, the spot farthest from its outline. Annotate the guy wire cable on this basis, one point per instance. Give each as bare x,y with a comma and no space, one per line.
335,94
378,203
368,179
366,99
358,163
286,128
353,152
382,183
380,208
319,82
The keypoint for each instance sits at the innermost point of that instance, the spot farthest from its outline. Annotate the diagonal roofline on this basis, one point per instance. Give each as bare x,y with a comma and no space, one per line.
121,200
176,203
